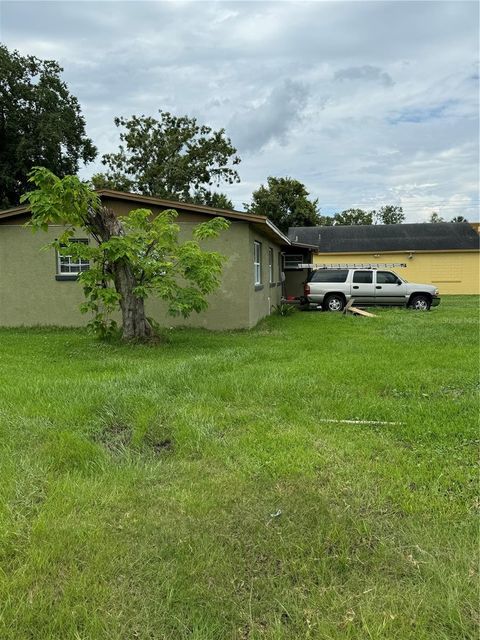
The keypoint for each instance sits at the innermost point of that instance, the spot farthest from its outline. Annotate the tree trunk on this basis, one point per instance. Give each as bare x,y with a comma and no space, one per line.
105,224
135,323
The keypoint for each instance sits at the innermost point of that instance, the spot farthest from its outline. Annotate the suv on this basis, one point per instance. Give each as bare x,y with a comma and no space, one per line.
333,288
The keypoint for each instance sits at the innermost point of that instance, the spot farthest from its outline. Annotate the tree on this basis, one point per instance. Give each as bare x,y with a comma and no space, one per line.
353,216
435,217
213,199
458,219
326,221
285,201
170,157
389,214
132,257
40,123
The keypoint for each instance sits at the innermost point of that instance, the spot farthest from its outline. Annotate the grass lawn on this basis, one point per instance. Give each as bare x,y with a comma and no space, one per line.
190,490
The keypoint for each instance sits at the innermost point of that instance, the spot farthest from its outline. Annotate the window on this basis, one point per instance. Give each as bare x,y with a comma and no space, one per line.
365,277
68,265
270,265
280,267
329,275
257,262
293,261
386,277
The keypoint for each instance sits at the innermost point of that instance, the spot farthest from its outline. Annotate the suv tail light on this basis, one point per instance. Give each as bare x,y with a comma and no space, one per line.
306,289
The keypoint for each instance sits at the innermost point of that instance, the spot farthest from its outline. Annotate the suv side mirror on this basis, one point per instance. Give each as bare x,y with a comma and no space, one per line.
399,282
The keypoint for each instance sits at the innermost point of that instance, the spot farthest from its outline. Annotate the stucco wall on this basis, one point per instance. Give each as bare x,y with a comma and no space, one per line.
30,294
228,305
263,298
453,272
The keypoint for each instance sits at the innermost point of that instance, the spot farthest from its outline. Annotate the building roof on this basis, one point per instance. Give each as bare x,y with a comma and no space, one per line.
262,223
388,237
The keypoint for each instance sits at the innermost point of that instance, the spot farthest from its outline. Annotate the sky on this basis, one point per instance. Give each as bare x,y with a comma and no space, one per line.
366,102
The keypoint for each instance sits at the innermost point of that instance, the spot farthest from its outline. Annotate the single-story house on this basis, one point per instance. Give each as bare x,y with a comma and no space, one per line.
445,254
39,287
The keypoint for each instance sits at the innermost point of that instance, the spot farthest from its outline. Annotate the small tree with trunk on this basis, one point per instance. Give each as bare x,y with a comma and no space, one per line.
131,257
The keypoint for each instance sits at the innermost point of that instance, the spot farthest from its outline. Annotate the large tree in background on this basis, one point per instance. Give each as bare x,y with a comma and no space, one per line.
169,157
40,123
285,201
389,214
353,216
213,199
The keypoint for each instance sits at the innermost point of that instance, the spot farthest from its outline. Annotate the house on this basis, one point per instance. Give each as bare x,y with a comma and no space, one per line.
39,287
445,254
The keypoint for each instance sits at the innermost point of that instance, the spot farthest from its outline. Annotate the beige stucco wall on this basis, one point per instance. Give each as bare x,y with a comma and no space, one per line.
453,272
30,295
262,299
228,305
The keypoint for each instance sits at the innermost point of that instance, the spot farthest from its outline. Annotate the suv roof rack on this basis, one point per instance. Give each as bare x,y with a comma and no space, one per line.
353,265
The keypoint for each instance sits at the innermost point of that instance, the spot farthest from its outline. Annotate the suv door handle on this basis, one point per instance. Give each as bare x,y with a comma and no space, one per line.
355,287
378,287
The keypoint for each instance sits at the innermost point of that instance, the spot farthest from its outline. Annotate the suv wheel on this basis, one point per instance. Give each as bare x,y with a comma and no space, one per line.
420,303
334,302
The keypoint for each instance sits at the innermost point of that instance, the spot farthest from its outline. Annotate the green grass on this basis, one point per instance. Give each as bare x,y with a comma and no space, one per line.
190,490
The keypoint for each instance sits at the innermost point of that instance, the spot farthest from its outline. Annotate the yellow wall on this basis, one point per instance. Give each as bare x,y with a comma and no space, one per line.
453,272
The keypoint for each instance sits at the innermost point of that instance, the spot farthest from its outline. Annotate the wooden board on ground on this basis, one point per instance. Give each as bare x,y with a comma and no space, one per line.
360,312
348,305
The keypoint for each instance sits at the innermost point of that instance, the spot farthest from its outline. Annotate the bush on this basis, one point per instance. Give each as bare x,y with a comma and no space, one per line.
283,309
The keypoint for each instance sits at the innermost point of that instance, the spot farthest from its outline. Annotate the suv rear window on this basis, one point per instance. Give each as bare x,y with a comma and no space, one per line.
329,275
363,276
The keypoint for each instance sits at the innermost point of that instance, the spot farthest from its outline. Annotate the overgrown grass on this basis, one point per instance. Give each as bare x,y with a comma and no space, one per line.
191,490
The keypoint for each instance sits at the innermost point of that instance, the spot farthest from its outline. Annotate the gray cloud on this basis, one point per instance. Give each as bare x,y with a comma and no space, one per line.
256,125
366,73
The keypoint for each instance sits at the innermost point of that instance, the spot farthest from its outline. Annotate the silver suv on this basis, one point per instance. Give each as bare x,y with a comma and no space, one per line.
333,288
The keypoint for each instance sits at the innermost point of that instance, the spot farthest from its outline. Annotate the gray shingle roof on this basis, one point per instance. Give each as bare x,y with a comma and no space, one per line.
388,237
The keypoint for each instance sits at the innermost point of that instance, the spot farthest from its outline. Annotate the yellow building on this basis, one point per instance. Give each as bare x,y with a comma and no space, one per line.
444,254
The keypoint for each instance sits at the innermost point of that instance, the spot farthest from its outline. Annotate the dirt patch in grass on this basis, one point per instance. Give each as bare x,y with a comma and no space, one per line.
115,437
161,446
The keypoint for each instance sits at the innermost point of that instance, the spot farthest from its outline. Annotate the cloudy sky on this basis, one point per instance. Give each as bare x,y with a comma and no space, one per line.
367,103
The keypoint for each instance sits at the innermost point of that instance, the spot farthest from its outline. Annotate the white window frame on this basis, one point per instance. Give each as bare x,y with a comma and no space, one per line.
257,262
75,268
270,265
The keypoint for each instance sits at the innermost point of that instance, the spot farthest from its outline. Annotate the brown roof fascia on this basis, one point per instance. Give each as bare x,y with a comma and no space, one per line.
171,204
177,204
195,208
14,211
